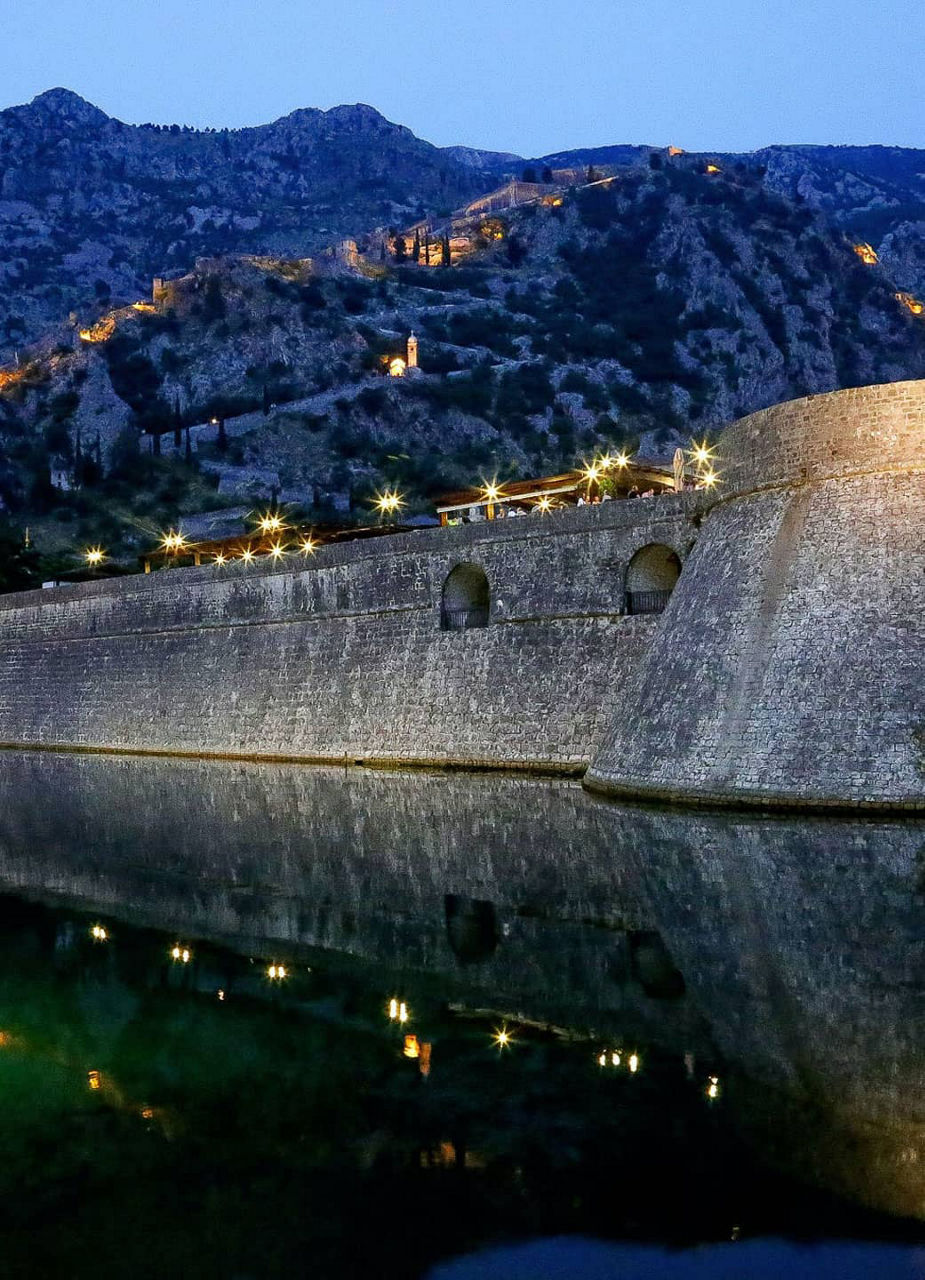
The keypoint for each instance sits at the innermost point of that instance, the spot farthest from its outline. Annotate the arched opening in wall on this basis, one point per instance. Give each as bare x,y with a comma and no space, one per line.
650,579
466,599
652,966
471,928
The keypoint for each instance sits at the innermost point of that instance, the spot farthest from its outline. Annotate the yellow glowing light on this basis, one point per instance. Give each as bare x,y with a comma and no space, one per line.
94,556
307,546
393,1008
247,555
277,972
709,479
9,377
412,1049
633,1063
911,303
220,559
270,523
544,505
867,253
403,1012
713,168
99,934
676,151
173,541
622,460
502,1038
277,551
701,454
220,993
102,331
591,472
389,503
397,367
94,1079
491,490
713,1090
615,1059
181,954
602,1060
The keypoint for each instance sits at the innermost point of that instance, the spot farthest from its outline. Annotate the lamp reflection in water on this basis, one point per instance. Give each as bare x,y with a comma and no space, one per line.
398,1010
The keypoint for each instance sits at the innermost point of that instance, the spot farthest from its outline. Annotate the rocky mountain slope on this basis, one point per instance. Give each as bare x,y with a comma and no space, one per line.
91,208
639,310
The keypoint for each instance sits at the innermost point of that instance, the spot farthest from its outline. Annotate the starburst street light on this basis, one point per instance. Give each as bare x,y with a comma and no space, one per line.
491,490
544,505
173,541
220,559
277,551
308,546
701,454
94,556
709,479
502,1038
389,503
271,522
247,556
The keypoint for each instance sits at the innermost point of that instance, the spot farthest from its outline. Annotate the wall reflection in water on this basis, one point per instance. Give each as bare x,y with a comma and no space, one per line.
791,949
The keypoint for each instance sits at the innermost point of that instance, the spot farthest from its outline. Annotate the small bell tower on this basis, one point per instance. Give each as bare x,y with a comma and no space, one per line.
412,352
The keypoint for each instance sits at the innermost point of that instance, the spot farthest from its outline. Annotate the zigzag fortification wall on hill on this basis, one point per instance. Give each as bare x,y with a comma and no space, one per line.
789,665
344,656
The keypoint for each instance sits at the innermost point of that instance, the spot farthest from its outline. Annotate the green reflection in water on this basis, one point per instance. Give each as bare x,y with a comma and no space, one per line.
282,1124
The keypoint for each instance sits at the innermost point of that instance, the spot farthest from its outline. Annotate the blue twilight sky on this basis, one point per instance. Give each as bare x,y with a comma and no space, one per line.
530,76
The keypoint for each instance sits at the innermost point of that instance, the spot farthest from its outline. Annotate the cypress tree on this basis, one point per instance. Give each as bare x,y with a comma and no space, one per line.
445,254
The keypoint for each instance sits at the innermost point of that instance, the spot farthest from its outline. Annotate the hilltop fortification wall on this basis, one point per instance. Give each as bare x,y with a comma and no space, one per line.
790,664
343,657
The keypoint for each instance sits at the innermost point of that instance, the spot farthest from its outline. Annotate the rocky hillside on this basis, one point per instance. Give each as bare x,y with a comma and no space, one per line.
641,310
91,208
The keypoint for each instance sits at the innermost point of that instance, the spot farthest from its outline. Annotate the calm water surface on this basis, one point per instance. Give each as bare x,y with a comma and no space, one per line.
636,1043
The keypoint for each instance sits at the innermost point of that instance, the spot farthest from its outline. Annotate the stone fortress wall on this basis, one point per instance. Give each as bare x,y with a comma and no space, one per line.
786,670
789,668
342,657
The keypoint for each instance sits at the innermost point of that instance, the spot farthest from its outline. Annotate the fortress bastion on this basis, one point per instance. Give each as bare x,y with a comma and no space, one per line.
789,667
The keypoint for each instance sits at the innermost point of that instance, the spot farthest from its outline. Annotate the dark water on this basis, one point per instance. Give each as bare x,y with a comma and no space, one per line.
181,1117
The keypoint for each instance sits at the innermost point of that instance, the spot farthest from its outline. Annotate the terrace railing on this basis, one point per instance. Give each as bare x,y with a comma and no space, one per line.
638,602
463,619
